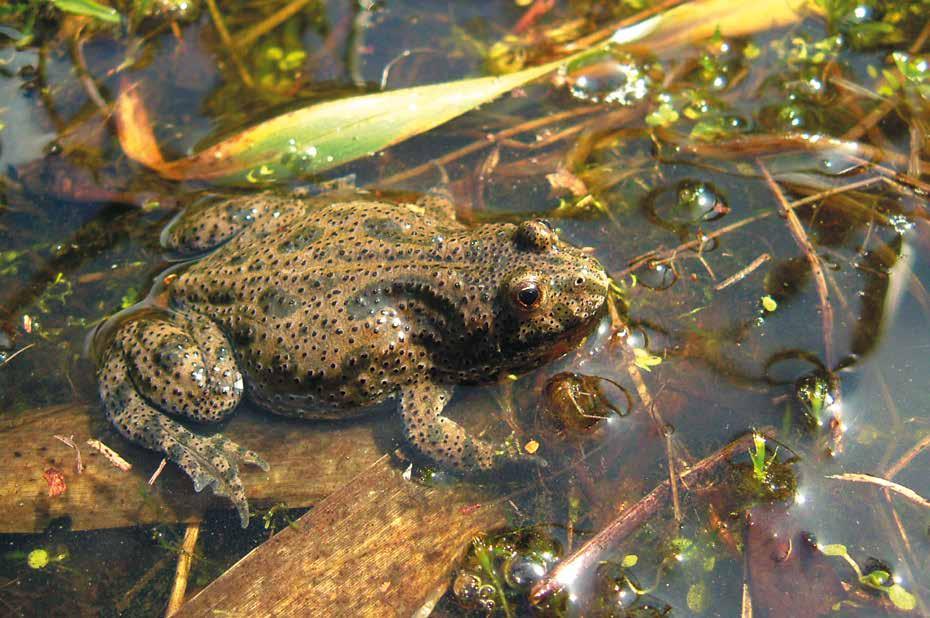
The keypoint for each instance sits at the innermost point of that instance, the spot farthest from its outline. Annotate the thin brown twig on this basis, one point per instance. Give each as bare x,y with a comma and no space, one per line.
902,531
901,490
804,243
743,272
244,39
220,25
15,354
907,458
672,476
671,448
835,191
767,143
182,572
157,473
112,456
592,552
746,602
655,256
84,75
916,144
488,141
919,293
534,12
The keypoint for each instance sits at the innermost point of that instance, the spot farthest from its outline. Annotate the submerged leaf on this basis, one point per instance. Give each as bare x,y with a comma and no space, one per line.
320,137
88,8
901,598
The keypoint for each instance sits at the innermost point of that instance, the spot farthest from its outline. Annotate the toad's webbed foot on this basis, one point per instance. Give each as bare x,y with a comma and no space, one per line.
445,441
149,364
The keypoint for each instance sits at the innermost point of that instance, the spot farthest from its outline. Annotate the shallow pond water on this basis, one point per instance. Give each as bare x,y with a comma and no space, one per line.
758,194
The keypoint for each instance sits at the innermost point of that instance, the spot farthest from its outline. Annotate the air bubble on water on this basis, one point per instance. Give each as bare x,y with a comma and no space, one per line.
611,80
901,223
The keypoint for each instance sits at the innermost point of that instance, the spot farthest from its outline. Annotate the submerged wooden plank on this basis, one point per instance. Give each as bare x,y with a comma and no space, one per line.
380,546
309,460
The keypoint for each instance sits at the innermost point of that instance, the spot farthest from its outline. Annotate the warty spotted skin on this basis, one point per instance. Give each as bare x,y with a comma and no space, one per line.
326,307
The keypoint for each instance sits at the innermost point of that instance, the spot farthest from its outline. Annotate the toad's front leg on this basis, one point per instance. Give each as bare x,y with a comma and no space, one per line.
181,365
445,441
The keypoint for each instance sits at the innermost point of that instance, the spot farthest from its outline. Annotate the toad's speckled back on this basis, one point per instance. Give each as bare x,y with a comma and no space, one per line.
321,298
333,304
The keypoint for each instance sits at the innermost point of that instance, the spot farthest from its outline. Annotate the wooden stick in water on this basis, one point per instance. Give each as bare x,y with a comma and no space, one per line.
183,570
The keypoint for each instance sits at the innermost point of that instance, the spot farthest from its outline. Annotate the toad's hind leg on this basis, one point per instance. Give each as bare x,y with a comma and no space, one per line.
445,441
156,366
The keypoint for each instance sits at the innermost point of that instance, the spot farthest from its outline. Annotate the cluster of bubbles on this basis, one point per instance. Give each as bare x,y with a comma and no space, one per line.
503,567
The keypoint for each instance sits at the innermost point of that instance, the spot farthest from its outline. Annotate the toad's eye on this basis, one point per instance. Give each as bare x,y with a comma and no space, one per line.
527,295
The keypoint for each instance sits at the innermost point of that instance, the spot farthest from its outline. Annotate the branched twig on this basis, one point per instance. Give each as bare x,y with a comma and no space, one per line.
656,256
69,441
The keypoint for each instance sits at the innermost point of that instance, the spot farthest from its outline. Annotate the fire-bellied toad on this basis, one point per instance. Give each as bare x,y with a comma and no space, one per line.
324,307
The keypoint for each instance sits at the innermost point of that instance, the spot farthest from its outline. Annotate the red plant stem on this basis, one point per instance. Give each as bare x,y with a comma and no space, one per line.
539,8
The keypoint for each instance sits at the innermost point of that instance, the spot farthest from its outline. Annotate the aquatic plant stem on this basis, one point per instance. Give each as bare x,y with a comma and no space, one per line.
607,540
181,573
746,601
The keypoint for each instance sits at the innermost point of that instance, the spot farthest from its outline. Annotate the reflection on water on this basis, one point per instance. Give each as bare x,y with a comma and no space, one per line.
775,285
